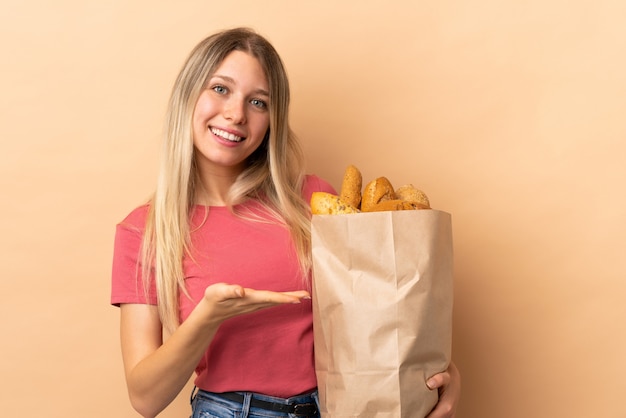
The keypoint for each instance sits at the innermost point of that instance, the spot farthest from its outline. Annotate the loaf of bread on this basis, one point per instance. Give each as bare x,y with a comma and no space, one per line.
375,192
351,186
323,203
395,204
411,193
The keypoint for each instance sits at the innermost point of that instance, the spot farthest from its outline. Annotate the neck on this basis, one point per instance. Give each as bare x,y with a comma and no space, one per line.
213,187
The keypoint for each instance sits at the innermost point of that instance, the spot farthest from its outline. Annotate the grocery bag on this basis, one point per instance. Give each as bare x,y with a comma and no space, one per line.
382,311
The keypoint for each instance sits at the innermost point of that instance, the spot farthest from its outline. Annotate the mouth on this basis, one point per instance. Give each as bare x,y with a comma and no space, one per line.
226,135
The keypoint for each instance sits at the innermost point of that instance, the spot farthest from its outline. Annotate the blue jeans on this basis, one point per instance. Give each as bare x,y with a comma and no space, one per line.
211,405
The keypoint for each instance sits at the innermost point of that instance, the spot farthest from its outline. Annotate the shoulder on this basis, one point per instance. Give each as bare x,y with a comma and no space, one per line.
136,219
128,236
313,183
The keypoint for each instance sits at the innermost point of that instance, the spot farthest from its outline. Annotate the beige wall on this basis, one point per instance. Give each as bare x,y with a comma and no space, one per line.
509,114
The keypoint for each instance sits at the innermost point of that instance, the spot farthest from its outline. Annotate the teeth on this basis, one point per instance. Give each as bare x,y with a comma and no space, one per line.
226,135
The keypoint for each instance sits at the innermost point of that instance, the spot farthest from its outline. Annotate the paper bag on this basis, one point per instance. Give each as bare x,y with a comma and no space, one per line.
382,311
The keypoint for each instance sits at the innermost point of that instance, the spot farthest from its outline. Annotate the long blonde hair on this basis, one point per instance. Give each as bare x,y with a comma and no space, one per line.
274,172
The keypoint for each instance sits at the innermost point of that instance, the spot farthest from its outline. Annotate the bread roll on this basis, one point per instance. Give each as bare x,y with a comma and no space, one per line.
396,204
411,193
323,203
351,186
376,191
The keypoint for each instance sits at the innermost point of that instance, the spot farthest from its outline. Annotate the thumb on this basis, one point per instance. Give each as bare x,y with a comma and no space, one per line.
224,291
236,291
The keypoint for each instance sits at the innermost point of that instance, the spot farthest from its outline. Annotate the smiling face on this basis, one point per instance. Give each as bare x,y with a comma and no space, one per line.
231,116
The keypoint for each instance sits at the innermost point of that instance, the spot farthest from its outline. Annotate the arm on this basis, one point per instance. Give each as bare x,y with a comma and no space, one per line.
449,385
156,371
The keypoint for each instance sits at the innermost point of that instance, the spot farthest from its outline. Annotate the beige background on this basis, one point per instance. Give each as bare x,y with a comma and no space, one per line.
509,114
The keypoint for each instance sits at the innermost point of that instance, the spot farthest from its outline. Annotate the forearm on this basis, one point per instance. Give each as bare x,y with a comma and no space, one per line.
155,380
157,371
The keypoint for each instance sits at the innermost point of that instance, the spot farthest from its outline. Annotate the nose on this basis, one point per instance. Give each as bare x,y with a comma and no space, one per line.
235,111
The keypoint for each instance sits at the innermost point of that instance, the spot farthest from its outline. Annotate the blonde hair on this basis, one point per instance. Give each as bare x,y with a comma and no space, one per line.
274,173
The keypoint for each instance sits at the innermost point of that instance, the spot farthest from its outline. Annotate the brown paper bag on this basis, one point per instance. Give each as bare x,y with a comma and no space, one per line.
382,311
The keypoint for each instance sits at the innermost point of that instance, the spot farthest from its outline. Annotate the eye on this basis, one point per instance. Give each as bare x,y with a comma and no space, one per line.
258,103
219,89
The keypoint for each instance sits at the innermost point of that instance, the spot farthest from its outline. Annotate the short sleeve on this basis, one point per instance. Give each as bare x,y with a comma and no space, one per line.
127,283
314,183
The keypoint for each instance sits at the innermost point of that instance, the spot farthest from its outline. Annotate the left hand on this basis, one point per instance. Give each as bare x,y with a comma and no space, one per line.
448,384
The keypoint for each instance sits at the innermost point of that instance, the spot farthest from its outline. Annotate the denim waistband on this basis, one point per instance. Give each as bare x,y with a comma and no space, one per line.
304,405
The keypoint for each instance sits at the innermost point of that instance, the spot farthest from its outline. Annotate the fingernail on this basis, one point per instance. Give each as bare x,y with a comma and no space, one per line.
431,383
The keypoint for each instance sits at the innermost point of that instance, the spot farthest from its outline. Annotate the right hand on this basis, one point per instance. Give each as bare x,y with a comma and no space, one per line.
156,371
230,300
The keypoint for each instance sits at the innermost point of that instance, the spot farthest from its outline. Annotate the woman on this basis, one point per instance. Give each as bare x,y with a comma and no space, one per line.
226,236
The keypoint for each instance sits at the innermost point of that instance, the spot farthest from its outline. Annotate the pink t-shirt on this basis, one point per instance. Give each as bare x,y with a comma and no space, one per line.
270,351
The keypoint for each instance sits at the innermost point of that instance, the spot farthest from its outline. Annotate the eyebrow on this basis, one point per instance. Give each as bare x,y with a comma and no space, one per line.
231,80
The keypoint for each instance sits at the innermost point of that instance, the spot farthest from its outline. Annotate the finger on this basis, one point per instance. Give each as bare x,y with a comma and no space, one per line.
443,409
275,298
224,291
449,393
300,294
438,380
233,291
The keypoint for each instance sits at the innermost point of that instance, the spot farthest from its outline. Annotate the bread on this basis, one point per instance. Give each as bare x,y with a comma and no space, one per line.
323,203
376,191
411,193
351,186
378,195
395,204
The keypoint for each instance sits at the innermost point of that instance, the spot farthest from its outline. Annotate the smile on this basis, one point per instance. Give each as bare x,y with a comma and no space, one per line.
226,135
